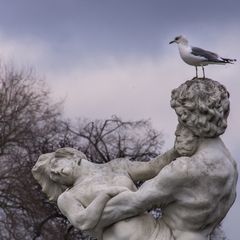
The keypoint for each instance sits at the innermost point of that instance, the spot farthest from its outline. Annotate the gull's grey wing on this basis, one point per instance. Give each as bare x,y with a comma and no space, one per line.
210,56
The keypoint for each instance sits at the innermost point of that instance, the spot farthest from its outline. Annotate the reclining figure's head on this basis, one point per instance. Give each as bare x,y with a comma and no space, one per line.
56,171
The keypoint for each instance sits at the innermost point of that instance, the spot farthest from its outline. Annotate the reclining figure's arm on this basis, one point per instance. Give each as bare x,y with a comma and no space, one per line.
141,171
82,218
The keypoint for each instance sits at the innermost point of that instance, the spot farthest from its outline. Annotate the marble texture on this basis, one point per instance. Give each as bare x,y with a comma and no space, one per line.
194,183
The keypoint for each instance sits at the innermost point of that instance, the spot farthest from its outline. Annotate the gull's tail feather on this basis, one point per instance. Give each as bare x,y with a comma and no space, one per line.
228,60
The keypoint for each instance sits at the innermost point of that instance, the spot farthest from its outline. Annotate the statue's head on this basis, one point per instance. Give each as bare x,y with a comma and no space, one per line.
56,171
202,106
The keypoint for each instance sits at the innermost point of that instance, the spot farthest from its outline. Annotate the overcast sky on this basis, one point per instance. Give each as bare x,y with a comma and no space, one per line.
111,57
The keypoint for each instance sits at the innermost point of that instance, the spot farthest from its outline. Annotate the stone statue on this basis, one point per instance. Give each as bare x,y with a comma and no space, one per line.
82,189
194,183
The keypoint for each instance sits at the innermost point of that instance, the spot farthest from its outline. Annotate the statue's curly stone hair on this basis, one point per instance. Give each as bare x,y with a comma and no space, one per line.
203,106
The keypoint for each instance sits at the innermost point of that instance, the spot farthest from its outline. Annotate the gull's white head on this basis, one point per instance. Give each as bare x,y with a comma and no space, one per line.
180,40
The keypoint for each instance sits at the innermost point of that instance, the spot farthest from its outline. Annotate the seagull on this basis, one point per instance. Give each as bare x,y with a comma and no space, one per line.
197,56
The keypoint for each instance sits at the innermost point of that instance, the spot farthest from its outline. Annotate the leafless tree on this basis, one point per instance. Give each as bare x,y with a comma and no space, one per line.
29,125
104,140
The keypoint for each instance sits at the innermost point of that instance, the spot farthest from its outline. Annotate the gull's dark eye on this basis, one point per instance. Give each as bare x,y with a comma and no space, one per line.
177,38
79,162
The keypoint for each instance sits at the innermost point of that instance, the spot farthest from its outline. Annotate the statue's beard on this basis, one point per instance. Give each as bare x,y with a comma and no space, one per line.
186,149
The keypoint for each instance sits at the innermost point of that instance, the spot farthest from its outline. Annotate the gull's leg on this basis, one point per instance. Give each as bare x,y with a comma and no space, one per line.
203,72
196,72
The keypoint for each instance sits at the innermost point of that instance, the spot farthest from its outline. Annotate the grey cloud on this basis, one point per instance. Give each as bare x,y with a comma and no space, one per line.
96,27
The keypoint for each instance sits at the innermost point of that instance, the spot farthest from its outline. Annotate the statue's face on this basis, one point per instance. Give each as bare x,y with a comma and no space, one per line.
62,170
185,143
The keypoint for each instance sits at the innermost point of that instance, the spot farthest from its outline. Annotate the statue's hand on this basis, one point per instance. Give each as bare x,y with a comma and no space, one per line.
119,207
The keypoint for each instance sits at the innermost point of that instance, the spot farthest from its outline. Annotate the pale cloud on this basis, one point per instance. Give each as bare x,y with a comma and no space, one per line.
24,52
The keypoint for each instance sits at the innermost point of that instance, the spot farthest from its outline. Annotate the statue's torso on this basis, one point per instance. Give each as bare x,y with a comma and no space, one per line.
103,180
208,192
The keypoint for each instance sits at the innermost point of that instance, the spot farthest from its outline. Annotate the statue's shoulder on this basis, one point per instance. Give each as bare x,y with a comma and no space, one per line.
197,165
183,167
64,200
65,196
214,153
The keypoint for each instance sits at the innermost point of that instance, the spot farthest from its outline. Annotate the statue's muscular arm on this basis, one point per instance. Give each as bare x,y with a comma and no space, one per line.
155,192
